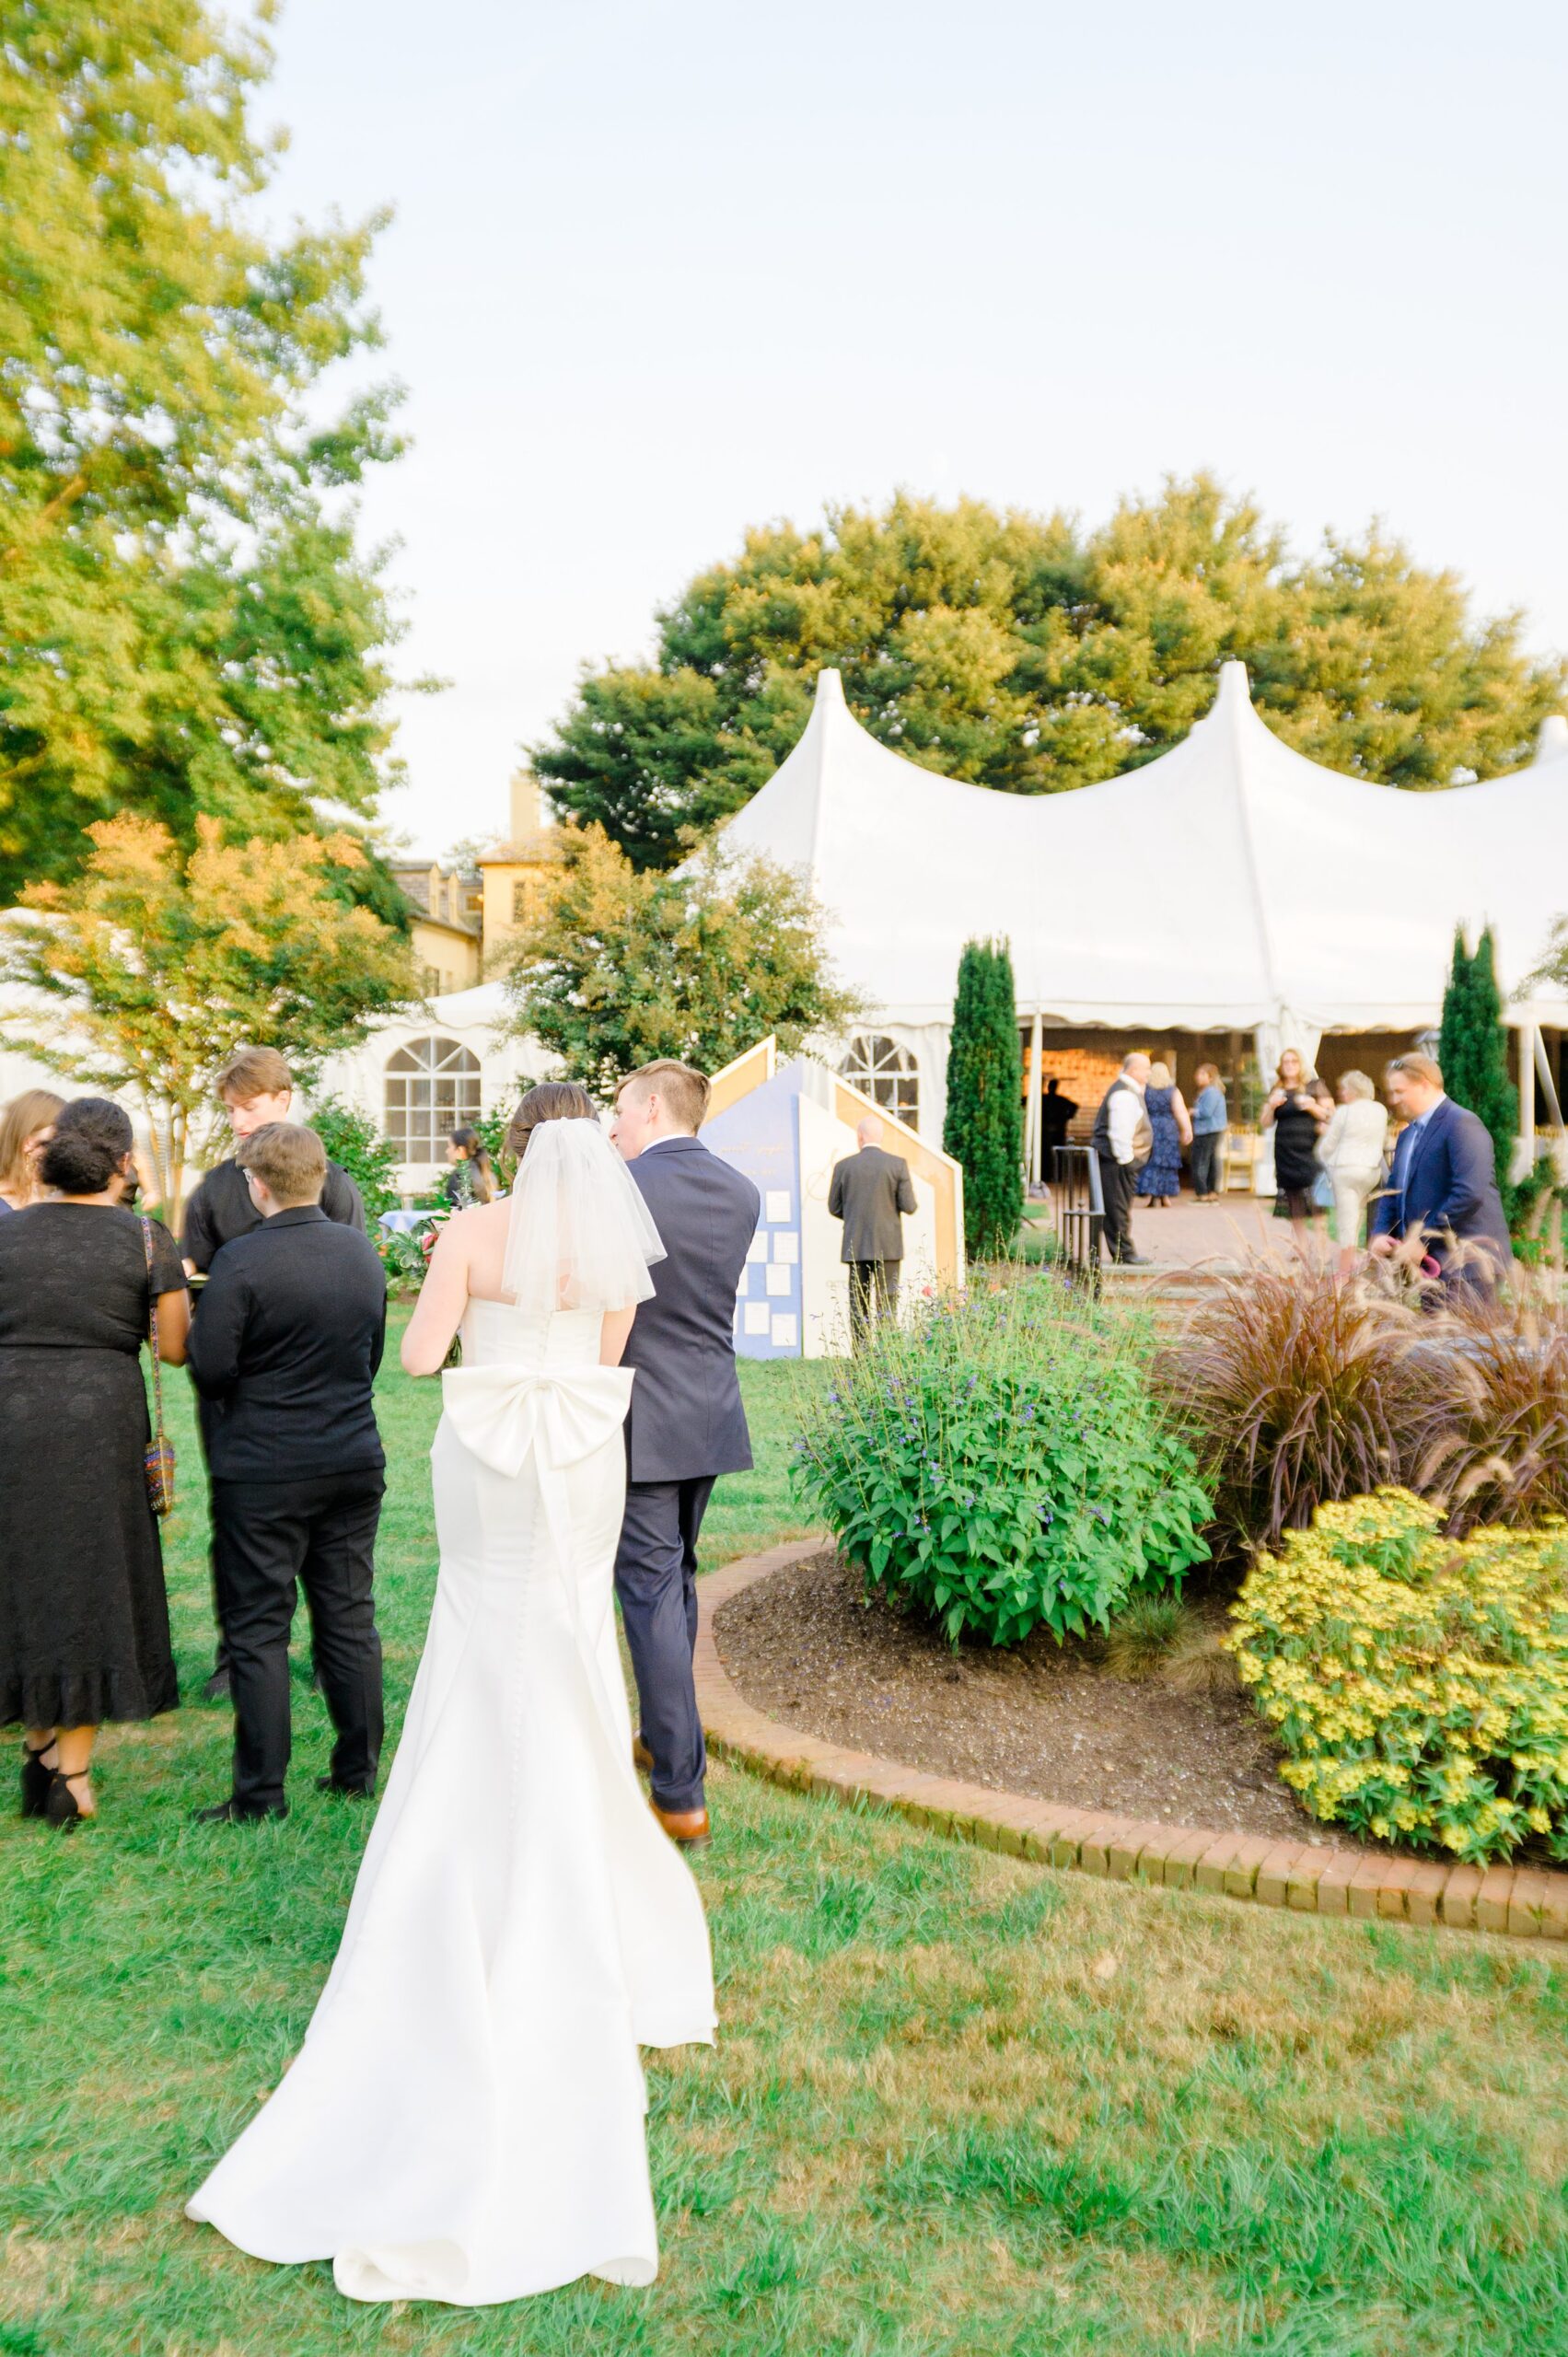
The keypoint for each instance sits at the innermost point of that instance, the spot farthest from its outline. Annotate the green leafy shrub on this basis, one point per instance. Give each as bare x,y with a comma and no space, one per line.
1003,1463
354,1142
1419,1684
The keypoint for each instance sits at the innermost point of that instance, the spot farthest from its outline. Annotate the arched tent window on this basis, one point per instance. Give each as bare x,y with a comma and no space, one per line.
432,1087
886,1073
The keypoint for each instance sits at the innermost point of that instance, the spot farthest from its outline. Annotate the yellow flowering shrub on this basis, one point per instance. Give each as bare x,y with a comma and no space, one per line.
1418,1684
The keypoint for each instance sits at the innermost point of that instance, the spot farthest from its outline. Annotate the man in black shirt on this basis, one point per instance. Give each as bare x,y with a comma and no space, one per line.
256,1087
292,1324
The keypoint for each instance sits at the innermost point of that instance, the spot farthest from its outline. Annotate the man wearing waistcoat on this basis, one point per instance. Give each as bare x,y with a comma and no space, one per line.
1122,1139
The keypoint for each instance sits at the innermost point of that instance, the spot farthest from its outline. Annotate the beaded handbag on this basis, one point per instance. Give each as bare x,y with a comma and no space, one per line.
157,1461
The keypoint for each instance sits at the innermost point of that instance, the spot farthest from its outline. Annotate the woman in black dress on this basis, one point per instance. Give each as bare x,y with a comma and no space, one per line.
1297,1120
84,1619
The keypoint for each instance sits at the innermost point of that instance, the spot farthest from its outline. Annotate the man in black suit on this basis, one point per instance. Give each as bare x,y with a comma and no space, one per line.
1443,1185
293,1322
1056,1112
873,1193
686,1425
256,1088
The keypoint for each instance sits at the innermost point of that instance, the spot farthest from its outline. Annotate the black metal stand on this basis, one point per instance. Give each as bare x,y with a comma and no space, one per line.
1080,1211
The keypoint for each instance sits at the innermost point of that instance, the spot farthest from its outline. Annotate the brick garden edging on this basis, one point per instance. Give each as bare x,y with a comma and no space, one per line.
1306,1875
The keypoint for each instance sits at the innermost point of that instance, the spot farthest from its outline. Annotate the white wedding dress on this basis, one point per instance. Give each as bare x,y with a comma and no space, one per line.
465,2120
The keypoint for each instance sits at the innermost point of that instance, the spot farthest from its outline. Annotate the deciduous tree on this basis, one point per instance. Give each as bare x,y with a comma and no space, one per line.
620,965
1018,652
187,626
143,975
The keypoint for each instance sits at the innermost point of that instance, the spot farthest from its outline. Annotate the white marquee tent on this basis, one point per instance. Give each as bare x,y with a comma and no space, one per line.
1230,883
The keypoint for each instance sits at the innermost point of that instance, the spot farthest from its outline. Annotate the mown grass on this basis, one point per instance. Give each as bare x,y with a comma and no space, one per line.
960,2105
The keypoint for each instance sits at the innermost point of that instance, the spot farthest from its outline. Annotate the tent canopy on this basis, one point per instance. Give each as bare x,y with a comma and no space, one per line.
1231,882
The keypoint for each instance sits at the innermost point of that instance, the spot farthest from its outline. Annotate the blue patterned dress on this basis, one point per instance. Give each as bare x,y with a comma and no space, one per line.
1161,1174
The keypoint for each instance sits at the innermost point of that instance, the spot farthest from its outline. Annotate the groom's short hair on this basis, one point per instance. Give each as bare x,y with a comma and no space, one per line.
684,1091
289,1160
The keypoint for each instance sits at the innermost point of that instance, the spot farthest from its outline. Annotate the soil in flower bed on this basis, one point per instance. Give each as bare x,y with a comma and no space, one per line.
1037,1718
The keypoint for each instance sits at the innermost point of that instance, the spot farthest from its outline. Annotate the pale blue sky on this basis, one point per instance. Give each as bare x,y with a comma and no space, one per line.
660,271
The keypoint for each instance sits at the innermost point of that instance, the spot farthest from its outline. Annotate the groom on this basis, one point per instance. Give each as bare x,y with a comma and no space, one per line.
686,1425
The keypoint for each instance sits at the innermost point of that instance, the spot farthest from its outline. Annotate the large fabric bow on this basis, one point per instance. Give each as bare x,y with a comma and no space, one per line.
561,1415
505,1414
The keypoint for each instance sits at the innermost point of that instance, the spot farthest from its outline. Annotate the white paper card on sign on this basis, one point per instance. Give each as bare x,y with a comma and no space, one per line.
758,1248
744,1287
785,1332
778,1279
779,1205
787,1247
756,1317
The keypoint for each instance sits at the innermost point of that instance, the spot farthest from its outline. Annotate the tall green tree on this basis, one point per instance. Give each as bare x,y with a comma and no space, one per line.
619,966
983,1126
1472,1046
187,624
1023,653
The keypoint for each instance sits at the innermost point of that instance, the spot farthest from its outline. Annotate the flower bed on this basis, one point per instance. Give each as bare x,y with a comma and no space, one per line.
1419,1684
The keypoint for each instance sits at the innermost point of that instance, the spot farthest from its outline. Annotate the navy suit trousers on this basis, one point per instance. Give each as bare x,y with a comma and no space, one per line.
656,1580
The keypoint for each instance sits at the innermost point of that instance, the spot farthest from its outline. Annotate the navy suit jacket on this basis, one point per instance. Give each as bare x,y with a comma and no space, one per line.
1445,1177
686,1419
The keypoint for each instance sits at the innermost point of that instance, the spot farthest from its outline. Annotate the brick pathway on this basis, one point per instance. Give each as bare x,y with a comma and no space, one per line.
1236,1228
1306,1875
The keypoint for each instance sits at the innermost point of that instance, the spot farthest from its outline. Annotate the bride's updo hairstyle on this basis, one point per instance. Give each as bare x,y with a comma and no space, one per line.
92,1137
552,1100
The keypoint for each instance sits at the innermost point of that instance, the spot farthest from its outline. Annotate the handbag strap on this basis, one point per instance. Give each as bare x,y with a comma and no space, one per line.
152,1326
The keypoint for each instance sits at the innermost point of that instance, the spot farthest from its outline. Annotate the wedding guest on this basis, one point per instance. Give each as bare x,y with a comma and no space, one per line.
872,1192
84,1619
285,1347
256,1088
1351,1150
1210,1121
1443,1187
1056,1113
1121,1139
1171,1126
471,1178
1292,1113
27,1124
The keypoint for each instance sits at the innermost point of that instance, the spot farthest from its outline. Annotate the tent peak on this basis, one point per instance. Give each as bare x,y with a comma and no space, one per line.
831,689
1235,685
1551,738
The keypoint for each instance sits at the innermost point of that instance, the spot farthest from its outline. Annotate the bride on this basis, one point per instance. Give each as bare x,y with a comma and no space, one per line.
465,2120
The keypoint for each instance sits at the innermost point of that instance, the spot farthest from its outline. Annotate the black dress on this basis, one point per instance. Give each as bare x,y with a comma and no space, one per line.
84,1619
1295,1166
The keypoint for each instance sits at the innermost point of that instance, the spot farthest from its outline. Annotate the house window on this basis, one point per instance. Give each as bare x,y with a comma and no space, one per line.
432,1087
886,1073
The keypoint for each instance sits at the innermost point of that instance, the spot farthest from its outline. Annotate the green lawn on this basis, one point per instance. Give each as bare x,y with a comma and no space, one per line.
961,2104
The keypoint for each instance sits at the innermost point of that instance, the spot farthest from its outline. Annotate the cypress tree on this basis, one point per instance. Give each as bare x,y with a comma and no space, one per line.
983,1128
1453,1039
1472,1047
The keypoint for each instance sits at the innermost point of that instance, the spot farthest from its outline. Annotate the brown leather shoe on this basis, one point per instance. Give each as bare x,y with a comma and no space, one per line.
688,1828
642,1758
